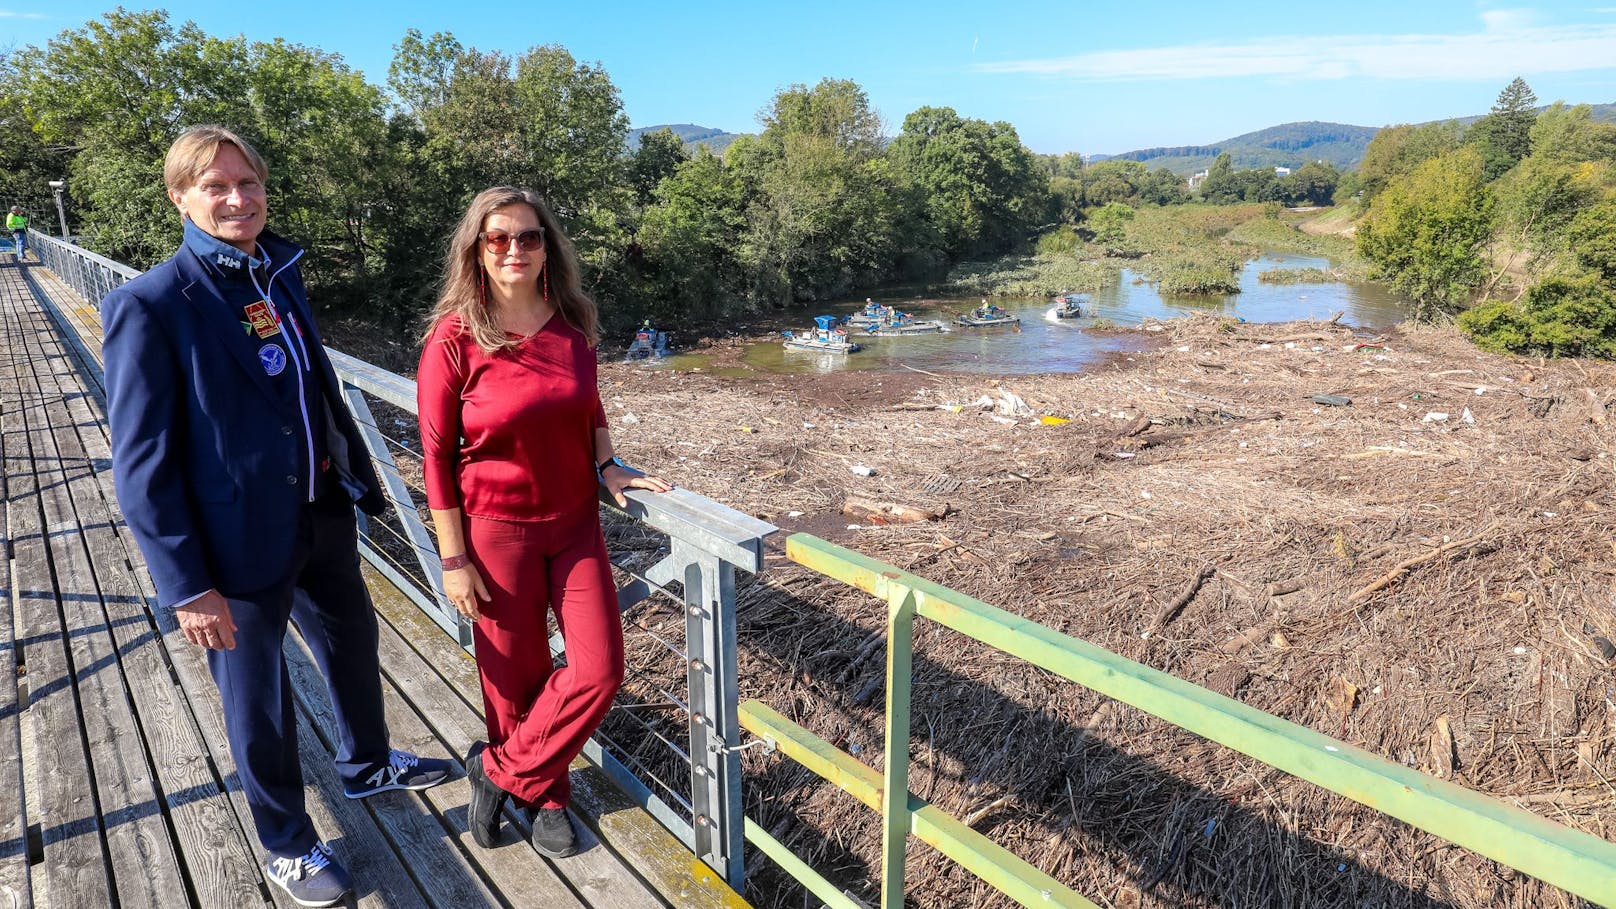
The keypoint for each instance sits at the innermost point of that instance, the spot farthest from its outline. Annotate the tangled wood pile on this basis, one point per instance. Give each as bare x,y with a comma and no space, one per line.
1398,541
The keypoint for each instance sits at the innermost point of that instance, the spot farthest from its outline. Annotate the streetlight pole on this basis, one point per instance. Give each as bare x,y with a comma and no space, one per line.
61,214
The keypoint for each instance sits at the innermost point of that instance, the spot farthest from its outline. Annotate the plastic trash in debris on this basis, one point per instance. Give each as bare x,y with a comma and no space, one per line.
629,419
1053,421
1435,416
1332,400
1467,418
793,514
862,471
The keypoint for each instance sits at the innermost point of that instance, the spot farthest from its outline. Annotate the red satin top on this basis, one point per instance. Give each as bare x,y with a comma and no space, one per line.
509,435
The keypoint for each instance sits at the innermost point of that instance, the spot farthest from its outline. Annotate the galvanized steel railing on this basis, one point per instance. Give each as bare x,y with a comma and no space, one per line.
91,275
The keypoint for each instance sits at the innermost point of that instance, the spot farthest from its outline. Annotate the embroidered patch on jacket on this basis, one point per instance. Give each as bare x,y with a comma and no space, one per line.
273,358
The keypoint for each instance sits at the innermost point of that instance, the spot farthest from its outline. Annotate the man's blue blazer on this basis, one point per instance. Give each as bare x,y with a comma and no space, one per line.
205,456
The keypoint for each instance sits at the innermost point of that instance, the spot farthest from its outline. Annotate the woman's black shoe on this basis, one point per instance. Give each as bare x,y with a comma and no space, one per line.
552,833
486,800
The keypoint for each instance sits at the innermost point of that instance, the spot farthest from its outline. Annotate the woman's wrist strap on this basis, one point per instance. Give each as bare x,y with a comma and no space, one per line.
454,563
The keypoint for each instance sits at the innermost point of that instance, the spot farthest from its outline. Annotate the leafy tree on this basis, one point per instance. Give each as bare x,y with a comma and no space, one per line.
1112,180
1592,237
691,235
1220,186
27,164
1110,223
984,191
1425,233
1313,183
659,155
1569,135
1162,187
1396,150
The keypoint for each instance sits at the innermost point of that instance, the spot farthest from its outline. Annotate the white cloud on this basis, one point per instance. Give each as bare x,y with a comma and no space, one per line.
10,14
1507,46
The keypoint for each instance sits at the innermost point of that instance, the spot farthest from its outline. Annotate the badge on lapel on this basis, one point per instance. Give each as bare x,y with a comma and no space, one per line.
273,358
262,318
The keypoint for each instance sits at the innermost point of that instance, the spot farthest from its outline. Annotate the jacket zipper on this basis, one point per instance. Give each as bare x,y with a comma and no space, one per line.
302,363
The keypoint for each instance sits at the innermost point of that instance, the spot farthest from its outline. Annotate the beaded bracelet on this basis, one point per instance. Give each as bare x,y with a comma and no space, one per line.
454,563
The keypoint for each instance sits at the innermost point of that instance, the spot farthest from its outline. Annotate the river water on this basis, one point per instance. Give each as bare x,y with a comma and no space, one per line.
1049,345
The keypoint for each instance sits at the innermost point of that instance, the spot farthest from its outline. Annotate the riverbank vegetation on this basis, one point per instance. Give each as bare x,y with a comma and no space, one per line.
1506,225
1512,213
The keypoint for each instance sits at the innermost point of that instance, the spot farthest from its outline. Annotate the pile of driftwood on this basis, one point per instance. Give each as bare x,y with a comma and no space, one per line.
1424,571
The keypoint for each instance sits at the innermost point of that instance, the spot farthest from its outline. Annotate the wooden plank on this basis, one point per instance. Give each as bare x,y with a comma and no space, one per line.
380,879
78,321
405,819
145,865
665,871
76,870
218,855
16,887
410,683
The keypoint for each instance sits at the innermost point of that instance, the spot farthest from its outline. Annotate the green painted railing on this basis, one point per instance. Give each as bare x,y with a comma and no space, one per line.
1574,861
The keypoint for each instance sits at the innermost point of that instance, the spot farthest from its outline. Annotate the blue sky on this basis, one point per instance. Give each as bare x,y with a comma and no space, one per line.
1070,76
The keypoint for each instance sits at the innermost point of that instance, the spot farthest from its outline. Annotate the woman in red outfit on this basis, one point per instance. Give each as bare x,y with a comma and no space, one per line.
516,445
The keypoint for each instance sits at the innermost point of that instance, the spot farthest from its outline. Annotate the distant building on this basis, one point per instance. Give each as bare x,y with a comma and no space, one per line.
1197,178
1282,172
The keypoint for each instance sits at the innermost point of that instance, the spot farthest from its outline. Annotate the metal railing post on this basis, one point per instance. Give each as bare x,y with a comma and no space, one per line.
715,732
398,493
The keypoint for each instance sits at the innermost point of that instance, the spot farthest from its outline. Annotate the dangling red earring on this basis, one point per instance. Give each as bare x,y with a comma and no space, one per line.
482,285
546,272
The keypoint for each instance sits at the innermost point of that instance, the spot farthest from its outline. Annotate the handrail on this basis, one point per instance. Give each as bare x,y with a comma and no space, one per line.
1572,860
93,276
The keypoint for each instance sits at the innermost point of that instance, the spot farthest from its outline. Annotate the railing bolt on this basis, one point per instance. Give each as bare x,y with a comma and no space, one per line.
697,665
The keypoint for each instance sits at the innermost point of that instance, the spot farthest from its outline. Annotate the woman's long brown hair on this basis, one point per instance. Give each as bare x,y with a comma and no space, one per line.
464,292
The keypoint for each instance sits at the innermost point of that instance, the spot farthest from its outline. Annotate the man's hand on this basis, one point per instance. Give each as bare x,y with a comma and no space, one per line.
206,622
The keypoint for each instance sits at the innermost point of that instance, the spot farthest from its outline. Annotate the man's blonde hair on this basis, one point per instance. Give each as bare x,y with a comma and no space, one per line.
196,148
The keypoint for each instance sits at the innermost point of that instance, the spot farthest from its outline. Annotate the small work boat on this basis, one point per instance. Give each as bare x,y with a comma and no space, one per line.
1068,306
873,313
824,337
648,342
987,315
902,323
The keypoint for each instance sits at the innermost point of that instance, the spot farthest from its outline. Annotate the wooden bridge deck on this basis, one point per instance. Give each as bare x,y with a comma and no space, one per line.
116,785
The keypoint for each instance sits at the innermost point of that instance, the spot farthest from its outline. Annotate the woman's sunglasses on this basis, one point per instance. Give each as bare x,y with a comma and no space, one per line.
526,241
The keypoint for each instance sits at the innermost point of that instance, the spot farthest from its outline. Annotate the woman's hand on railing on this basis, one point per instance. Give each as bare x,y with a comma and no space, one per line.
617,478
464,587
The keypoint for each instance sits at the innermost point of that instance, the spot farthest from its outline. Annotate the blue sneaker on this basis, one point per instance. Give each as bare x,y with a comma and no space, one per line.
401,770
314,879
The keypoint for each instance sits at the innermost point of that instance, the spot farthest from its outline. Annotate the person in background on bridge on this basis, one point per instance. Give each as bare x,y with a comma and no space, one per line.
17,223
237,467
515,446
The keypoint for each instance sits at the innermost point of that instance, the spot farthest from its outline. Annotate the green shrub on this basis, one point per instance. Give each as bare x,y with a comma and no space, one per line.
1559,317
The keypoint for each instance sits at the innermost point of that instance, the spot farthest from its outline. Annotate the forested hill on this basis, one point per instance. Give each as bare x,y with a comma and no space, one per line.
1289,145
1285,145
689,133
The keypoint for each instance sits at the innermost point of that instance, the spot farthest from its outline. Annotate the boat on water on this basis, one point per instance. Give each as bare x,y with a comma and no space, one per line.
1068,306
873,313
987,315
648,343
825,337
902,323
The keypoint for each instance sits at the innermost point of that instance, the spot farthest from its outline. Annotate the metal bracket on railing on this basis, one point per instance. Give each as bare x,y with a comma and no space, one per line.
766,744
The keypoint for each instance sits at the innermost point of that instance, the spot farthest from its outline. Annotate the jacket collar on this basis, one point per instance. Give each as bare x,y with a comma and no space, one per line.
221,258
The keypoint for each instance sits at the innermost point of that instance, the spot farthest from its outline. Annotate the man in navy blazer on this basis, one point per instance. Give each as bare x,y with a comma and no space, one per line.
238,467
